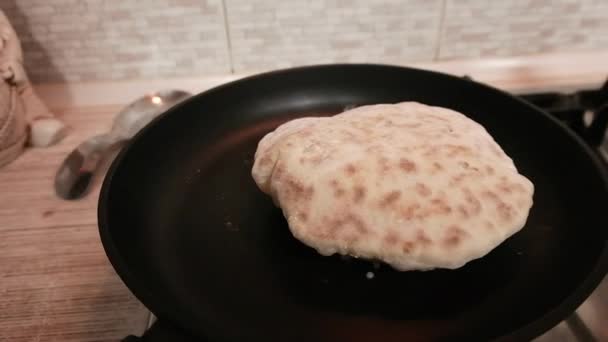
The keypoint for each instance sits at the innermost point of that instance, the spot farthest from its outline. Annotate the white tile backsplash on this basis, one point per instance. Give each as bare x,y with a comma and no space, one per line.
476,28
89,40
93,40
269,34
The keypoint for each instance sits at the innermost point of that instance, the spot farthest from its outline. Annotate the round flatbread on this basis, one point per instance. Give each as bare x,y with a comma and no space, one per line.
415,186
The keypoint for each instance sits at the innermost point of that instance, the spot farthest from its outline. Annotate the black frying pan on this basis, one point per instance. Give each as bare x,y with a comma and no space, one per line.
195,240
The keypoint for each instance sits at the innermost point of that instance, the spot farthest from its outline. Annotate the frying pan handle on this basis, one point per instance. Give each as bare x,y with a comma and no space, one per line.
162,331
594,134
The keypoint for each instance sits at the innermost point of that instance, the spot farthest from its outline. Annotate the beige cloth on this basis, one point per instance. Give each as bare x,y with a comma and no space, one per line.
13,127
22,114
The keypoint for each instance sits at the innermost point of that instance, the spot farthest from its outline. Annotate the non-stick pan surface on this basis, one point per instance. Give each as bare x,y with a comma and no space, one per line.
191,235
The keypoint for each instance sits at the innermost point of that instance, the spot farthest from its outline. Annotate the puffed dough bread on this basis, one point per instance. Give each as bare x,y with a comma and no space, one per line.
415,186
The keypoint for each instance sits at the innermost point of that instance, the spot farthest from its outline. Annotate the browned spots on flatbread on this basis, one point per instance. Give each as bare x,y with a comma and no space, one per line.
488,194
440,206
422,238
328,221
358,193
347,220
303,216
457,179
295,189
505,211
489,170
431,151
333,227
452,241
454,236
339,192
357,223
391,238
437,166
455,150
505,188
488,225
409,212
350,169
464,212
464,164
265,161
314,160
309,193
317,233
279,171
390,198
383,164
338,189
422,214
423,190
473,203
294,186
509,188
351,238
407,165
408,247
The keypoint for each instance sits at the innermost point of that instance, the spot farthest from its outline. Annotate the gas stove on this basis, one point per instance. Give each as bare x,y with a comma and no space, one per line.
586,113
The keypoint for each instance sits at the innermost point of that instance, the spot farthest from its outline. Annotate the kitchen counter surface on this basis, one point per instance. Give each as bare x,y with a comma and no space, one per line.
56,283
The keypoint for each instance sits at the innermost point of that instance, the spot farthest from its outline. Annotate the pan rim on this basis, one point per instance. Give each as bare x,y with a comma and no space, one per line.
166,312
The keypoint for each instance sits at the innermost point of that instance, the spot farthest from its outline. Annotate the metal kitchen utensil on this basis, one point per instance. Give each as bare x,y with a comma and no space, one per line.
74,176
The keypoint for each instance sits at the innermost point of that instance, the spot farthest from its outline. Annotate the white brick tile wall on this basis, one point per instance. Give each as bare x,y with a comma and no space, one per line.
90,40
268,34
474,28
87,40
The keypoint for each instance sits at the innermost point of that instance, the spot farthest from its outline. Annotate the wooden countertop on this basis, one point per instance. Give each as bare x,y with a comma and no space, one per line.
56,283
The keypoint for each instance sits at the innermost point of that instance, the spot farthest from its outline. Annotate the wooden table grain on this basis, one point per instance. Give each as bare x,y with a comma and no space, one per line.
56,283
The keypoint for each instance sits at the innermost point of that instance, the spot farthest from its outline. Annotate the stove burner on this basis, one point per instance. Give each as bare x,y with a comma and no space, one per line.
584,111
